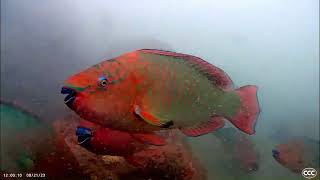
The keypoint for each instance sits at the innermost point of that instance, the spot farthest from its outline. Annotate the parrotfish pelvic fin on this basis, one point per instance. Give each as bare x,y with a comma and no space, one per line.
213,124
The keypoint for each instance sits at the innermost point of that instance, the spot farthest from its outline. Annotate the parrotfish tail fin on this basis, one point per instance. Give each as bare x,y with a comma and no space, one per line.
249,110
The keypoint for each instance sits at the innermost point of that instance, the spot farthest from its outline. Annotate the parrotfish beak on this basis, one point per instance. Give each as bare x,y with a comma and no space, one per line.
253,167
275,154
84,136
71,95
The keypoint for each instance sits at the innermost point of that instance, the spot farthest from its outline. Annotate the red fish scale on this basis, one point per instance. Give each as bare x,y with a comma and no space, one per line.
214,74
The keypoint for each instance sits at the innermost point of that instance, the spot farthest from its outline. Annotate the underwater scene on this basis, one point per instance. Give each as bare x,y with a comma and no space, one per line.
159,90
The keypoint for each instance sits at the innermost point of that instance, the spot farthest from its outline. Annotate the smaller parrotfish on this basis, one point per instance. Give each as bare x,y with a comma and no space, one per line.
148,90
105,141
298,153
23,134
243,151
171,161
30,144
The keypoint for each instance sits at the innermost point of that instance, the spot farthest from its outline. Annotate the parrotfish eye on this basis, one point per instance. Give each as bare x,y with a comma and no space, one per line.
103,82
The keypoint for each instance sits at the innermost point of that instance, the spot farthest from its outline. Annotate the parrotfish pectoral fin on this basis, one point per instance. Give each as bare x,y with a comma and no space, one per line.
152,139
245,118
204,128
151,119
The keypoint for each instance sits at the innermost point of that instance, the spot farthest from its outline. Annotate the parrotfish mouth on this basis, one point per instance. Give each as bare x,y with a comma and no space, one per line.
68,100
275,154
253,167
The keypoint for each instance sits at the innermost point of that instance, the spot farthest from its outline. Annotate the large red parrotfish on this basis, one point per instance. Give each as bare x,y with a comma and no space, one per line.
147,90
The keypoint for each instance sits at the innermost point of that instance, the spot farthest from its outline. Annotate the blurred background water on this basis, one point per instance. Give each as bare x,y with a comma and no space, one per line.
269,43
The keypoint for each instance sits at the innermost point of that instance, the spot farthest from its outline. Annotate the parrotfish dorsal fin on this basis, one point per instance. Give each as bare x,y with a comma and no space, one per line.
213,73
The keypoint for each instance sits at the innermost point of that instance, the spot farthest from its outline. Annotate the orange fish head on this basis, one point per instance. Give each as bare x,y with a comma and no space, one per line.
101,93
289,155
